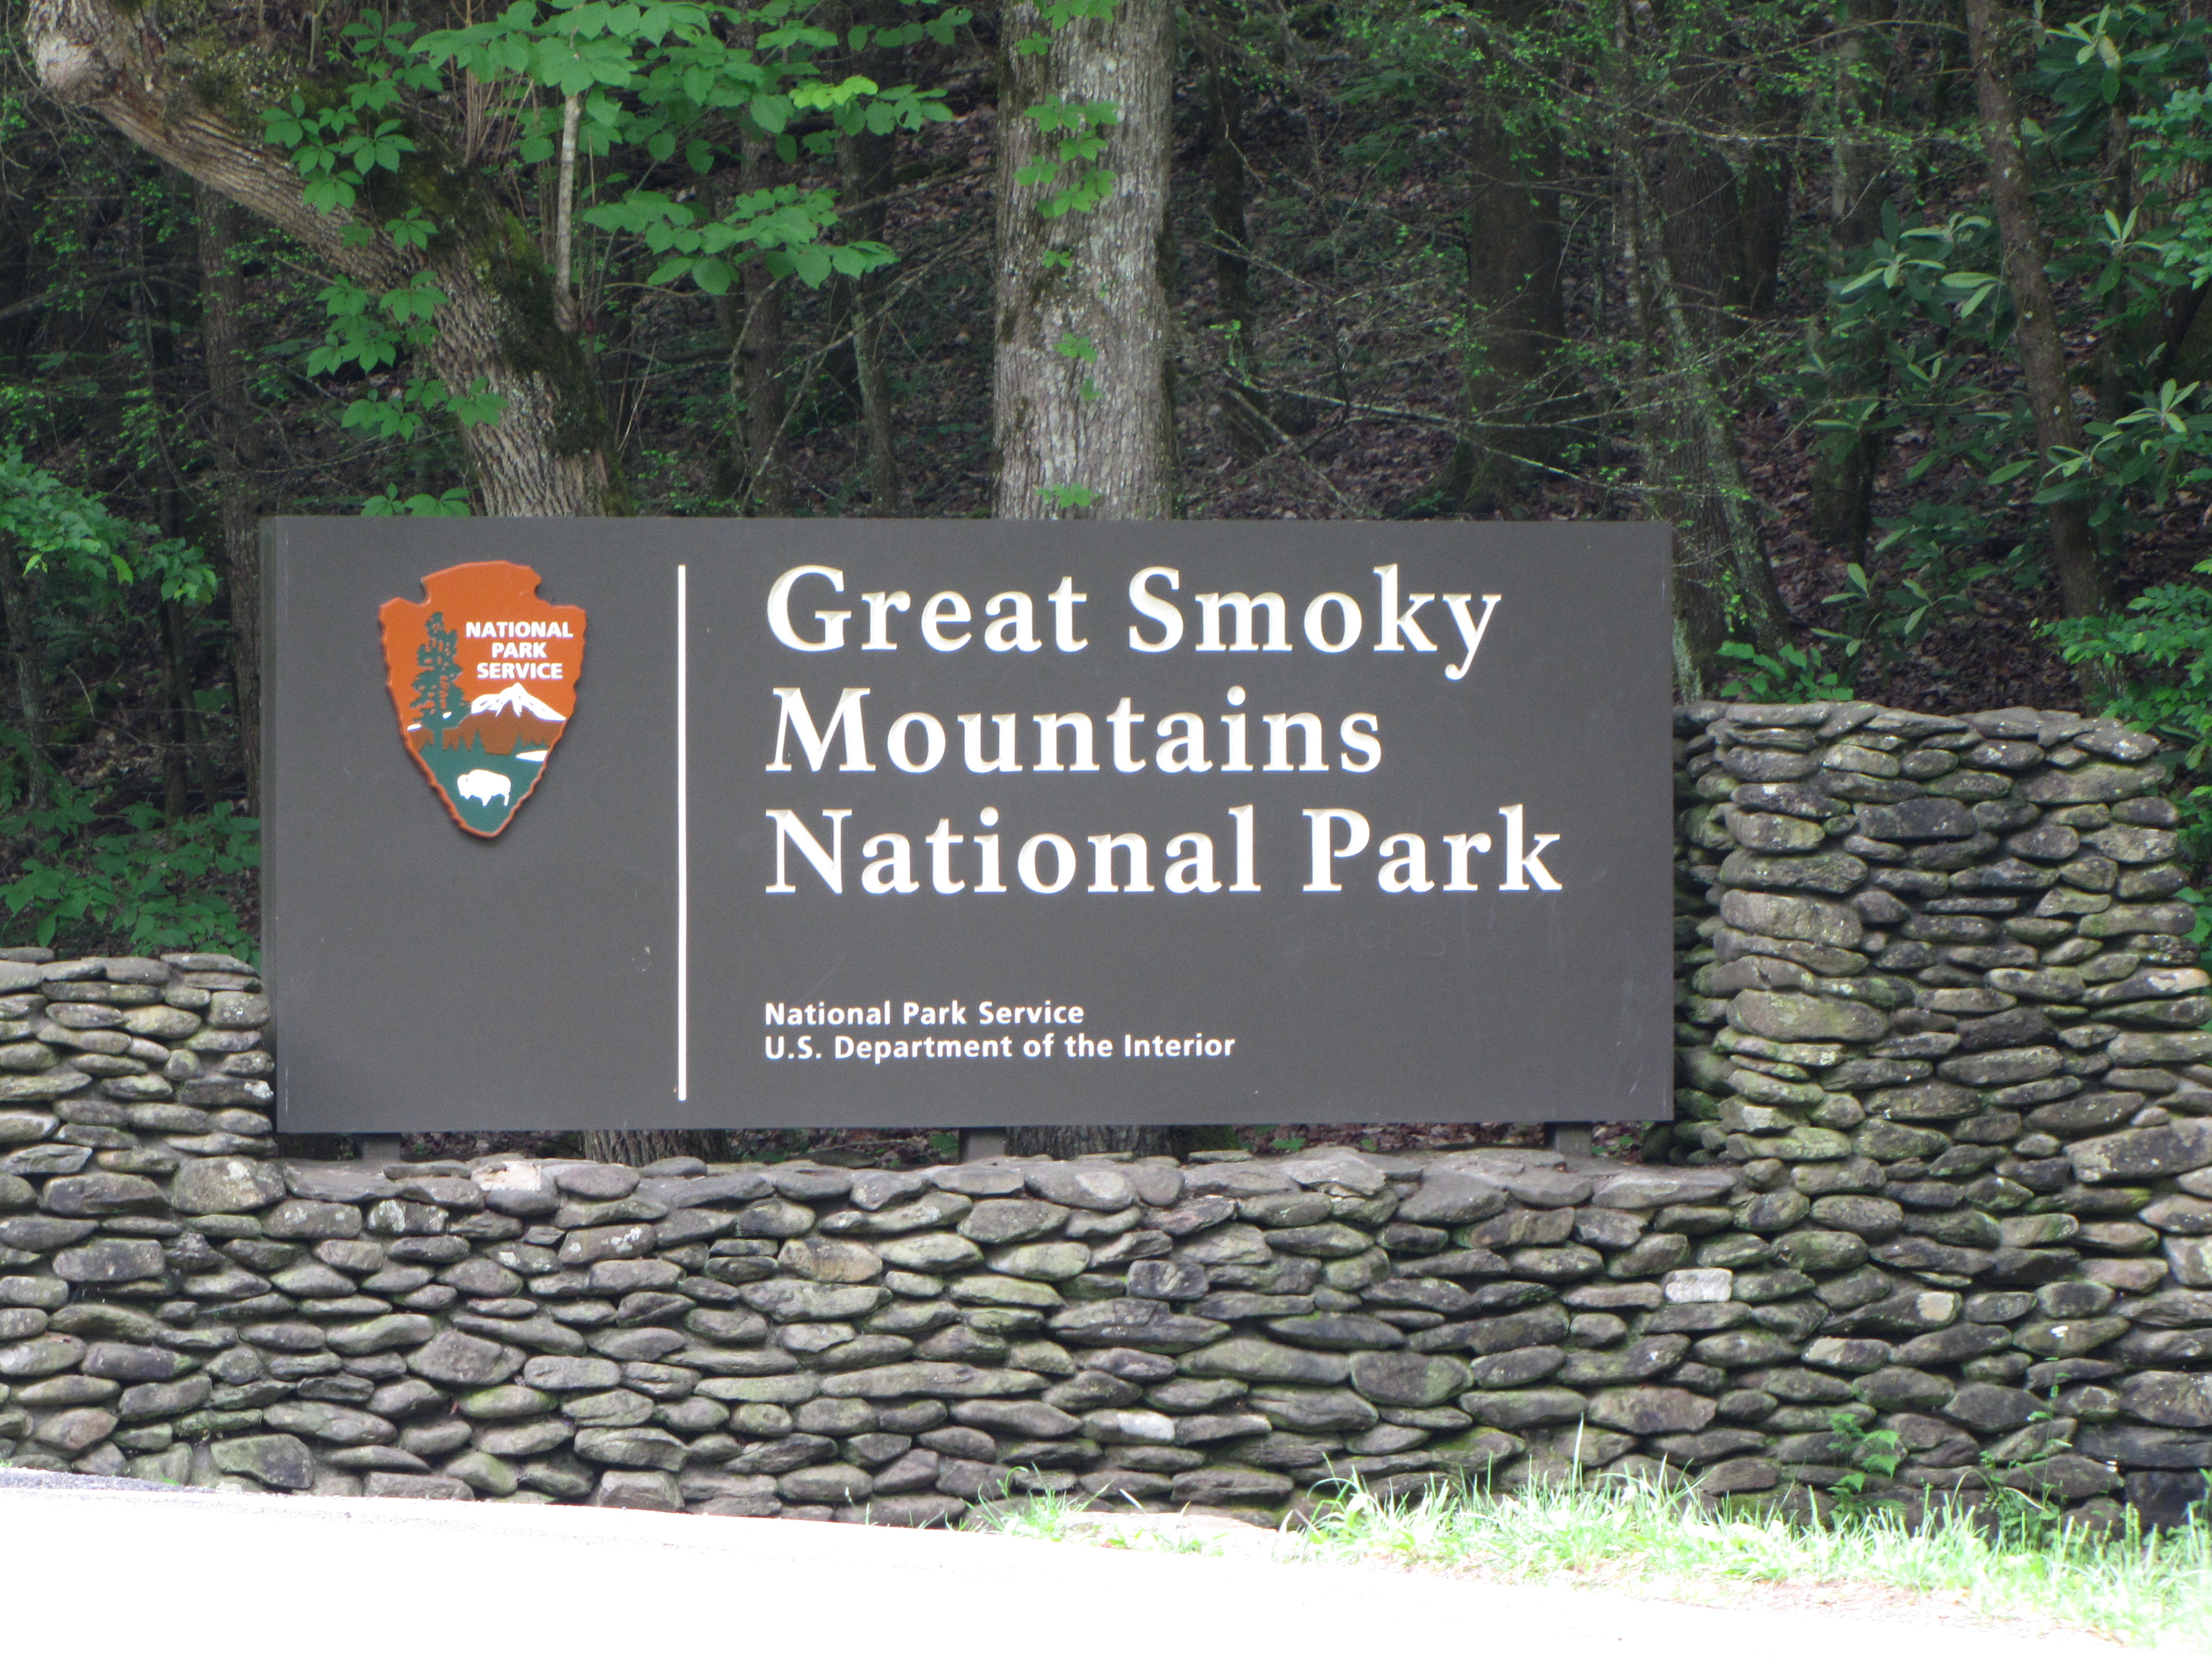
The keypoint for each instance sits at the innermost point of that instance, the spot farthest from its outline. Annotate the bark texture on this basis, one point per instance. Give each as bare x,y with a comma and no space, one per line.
867,165
1842,478
1514,255
1695,476
1252,431
1512,401
1688,284
1860,181
1046,433
1119,442
17,604
550,451
1057,1140
2036,339
1699,589
639,1147
758,349
866,159
235,441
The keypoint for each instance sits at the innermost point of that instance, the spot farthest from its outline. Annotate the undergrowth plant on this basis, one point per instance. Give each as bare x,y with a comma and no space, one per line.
1869,1455
80,881
1898,377
2146,1589
1791,675
2157,656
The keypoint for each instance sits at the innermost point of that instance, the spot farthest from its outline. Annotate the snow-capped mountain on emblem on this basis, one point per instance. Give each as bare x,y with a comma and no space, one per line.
515,700
482,674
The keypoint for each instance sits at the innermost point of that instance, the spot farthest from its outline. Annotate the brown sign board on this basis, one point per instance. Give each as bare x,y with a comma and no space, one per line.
955,824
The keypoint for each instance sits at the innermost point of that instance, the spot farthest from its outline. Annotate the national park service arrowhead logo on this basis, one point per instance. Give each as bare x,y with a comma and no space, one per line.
483,675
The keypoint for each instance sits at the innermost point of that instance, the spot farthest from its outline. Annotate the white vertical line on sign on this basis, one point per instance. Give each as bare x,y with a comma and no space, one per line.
683,841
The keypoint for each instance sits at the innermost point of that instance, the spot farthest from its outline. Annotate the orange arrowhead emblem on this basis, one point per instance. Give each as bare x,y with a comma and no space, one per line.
482,674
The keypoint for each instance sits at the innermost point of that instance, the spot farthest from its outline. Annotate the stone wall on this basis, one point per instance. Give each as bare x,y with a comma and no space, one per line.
1942,1013
1944,1167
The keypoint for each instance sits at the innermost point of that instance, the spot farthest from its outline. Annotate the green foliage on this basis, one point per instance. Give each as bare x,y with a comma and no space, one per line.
52,527
338,146
1080,349
95,565
2021,1497
782,227
404,412
1869,1455
389,504
1058,15
1914,327
1893,617
1083,128
650,81
1798,676
2139,459
144,887
2157,658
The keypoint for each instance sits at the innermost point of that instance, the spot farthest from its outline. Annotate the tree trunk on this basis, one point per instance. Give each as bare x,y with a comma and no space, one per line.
1859,182
153,340
1700,587
866,161
1698,478
1840,488
1694,477
24,646
564,203
1762,229
1515,317
2040,347
1841,485
1081,399
2123,344
1725,210
760,355
1251,431
1515,253
176,794
1698,208
238,451
1118,440
1059,1140
550,451
639,1147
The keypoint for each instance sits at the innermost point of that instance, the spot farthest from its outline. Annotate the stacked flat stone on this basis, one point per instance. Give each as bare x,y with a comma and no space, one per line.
1945,1169
1942,1010
806,1340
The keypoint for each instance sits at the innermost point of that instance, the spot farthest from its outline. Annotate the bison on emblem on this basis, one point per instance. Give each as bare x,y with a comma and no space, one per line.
482,786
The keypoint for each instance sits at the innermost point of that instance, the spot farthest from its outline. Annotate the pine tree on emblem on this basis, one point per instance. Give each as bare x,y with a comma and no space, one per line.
439,699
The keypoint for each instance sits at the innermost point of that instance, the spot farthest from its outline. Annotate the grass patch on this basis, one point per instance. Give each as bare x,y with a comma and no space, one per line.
2145,1590
1056,1518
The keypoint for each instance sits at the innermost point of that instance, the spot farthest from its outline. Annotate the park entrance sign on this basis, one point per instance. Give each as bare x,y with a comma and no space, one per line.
866,823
